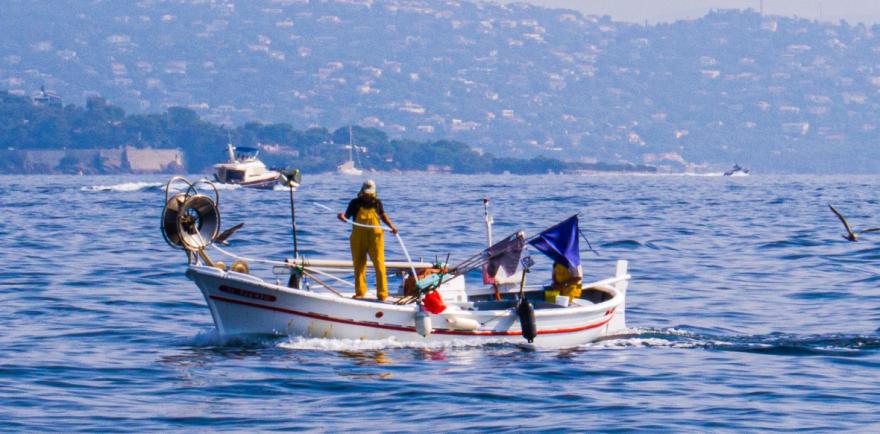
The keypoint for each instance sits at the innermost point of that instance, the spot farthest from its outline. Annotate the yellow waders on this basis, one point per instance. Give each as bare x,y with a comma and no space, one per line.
562,274
372,241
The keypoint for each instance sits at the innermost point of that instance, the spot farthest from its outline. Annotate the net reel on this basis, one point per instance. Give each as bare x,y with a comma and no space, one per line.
190,219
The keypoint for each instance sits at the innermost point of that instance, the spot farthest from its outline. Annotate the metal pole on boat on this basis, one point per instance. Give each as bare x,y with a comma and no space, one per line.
488,222
293,223
292,179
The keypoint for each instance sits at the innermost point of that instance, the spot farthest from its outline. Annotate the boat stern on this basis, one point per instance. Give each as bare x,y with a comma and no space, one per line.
618,321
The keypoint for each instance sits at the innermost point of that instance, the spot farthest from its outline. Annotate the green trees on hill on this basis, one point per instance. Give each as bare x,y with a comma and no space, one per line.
25,126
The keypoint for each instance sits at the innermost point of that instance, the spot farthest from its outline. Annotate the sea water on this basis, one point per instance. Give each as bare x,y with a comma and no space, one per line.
747,310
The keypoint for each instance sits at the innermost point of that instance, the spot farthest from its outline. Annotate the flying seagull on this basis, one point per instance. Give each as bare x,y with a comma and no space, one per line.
850,235
223,237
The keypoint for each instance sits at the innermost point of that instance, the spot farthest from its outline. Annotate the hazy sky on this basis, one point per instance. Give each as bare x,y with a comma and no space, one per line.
854,11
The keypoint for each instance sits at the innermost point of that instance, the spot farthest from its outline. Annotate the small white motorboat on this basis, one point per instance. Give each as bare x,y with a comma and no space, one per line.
245,169
311,303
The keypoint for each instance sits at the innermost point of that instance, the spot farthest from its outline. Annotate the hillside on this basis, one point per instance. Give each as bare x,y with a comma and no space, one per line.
778,94
101,138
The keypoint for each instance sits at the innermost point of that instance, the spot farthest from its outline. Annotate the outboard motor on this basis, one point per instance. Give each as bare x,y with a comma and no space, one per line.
527,319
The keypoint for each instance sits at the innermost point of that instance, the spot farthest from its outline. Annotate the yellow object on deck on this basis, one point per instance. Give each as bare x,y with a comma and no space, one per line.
550,295
240,266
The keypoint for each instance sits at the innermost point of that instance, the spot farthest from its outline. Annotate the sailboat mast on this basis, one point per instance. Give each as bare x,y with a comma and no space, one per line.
350,147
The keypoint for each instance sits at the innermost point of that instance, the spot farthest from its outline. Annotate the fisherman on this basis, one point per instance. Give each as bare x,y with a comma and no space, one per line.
567,283
366,209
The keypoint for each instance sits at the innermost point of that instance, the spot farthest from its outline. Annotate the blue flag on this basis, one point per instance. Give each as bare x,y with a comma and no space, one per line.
561,244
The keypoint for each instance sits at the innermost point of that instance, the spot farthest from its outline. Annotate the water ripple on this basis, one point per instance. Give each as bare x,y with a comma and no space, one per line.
747,311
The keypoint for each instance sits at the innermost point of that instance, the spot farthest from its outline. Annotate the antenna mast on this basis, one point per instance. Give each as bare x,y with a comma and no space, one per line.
489,221
350,146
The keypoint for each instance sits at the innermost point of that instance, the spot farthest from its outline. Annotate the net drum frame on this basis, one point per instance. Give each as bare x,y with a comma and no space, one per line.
190,220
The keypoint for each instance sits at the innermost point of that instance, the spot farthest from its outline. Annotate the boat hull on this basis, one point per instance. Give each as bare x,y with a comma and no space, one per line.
241,304
265,184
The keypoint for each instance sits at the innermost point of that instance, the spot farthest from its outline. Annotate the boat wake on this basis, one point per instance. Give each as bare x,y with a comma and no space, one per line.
709,174
222,186
126,187
322,344
129,187
211,338
774,343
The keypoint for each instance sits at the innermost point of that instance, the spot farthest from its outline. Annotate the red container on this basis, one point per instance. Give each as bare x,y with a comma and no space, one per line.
433,303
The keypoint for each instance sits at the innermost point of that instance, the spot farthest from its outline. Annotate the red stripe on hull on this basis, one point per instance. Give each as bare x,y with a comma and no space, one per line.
408,329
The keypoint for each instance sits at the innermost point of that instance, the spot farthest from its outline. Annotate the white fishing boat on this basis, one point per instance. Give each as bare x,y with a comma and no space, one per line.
245,169
315,302
348,167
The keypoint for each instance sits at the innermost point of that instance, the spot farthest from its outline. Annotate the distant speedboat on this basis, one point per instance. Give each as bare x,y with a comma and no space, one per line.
245,169
348,167
737,170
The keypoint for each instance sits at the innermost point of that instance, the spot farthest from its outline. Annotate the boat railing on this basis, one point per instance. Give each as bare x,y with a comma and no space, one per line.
347,265
607,282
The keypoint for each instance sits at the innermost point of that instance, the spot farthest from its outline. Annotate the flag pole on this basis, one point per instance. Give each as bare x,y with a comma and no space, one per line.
293,222
489,222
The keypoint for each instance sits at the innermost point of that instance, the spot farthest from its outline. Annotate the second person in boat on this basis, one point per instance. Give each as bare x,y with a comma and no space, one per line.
566,282
366,209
